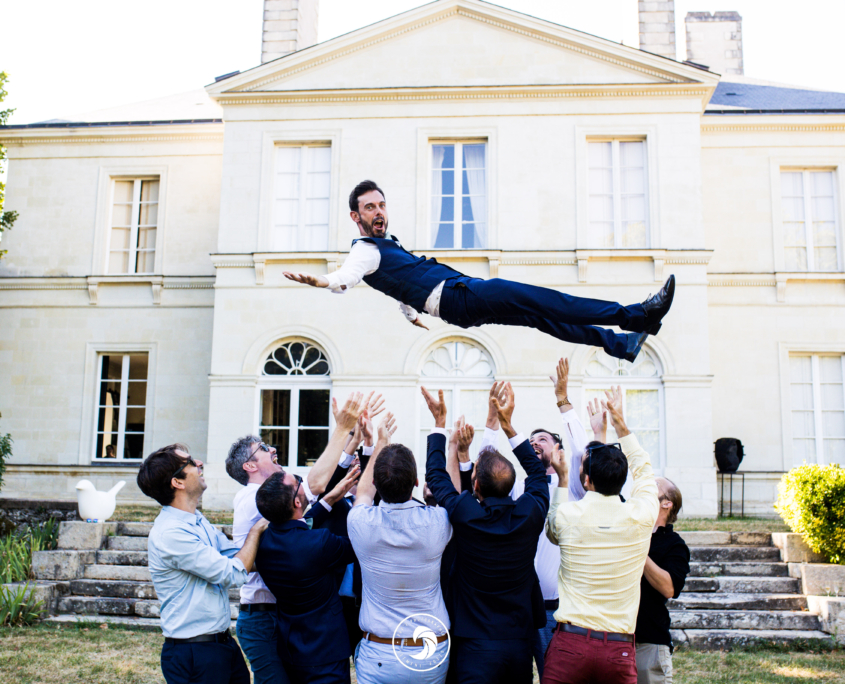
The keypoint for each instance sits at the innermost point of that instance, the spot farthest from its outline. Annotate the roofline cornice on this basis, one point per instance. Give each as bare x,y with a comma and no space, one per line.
770,123
195,132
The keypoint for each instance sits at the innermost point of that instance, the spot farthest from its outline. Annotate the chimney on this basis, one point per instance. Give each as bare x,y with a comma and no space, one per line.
657,27
289,25
715,40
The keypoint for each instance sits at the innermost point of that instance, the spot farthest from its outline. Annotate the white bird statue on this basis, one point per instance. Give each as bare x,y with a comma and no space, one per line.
96,506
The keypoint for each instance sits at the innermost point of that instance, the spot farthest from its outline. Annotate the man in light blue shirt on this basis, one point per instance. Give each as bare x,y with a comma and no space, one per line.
192,567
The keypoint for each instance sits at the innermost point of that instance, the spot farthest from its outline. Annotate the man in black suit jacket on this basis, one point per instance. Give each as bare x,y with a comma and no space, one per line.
303,569
496,599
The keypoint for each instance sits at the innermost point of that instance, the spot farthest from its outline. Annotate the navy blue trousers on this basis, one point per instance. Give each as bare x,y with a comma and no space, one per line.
329,673
206,662
469,302
488,661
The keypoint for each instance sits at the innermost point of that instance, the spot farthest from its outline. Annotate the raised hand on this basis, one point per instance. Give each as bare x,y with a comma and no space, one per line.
613,406
453,438
365,425
342,488
465,436
417,322
386,429
598,420
560,465
375,406
561,380
505,404
348,416
436,406
492,414
307,279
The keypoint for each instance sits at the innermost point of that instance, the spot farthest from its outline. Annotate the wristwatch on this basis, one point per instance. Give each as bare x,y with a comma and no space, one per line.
563,402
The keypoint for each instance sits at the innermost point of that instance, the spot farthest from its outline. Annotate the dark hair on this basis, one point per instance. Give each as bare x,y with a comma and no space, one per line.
274,499
554,435
239,453
157,470
673,494
395,473
362,189
606,467
494,473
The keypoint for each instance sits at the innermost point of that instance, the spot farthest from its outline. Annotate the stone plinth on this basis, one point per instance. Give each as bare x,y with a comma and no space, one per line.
84,535
793,549
61,565
831,612
822,579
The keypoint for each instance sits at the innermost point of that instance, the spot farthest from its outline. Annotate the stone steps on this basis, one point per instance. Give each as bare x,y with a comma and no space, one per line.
130,621
744,619
142,529
720,602
122,557
742,585
764,569
127,543
113,588
726,639
100,605
135,573
732,554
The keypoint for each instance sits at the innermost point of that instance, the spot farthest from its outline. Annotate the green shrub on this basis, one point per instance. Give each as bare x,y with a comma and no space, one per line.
18,606
5,454
811,500
16,550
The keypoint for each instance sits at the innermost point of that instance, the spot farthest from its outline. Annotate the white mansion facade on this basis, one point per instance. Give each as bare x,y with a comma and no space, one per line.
142,300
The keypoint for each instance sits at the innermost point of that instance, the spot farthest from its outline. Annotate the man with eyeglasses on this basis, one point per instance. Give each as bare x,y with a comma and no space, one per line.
603,545
192,567
251,462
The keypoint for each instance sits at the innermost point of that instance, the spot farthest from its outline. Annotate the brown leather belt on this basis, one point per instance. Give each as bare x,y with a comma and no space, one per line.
402,642
595,634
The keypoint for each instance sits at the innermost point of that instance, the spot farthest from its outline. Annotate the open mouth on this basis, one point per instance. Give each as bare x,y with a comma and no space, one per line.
378,223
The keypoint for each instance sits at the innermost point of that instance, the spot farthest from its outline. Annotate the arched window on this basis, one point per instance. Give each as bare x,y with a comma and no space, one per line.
464,371
295,402
642,392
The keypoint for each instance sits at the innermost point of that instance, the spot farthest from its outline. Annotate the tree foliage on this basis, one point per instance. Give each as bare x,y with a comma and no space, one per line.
7,218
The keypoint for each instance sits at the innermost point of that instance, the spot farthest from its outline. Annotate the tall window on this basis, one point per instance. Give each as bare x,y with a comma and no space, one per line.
459,195
818,408
642,397
295,403
618,199
464,372
302,189
121,406
809,221
134,221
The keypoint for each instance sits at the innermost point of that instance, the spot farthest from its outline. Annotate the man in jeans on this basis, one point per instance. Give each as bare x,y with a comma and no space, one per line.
665,572
603,547
399,544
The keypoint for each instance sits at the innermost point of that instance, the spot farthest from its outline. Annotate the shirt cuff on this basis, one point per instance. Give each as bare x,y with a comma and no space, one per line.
465,466
239,564
346,460
334,283
629,444
560,495
305,488
491,436
326,505
368,450
440,431
516,440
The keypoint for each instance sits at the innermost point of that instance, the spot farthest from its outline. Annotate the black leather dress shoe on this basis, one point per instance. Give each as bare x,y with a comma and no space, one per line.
657,306
635,345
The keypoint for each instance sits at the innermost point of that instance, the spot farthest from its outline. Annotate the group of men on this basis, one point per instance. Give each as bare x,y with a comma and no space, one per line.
471,585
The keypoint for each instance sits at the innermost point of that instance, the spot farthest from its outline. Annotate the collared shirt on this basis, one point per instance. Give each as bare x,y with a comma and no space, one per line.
246,515
399,547
192,568
603,546
671,553
363,260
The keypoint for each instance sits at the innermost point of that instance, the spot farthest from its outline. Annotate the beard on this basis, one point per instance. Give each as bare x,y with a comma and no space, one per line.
368,227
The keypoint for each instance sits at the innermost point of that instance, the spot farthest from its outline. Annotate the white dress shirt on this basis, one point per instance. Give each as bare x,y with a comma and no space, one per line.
364,259
246,515
399,547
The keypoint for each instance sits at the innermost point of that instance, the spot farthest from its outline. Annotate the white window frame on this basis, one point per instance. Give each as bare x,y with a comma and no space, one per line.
808,216
122,408
818,424
458,219
616,170
302,198
133,226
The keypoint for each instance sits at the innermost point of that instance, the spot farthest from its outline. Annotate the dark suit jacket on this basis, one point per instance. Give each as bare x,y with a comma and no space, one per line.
495,593
302,568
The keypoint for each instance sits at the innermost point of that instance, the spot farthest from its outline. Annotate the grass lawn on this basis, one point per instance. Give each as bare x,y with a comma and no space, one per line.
140,513
90,654
731,525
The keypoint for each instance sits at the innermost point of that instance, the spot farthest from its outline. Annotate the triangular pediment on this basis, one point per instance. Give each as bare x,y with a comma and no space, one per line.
461,44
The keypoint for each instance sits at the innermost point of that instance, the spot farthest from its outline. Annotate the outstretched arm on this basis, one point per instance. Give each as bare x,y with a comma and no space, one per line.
363,259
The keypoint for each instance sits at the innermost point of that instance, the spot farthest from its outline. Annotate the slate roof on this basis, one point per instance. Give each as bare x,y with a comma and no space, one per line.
745,98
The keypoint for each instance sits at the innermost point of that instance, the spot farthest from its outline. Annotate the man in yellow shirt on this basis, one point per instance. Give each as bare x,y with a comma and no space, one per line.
603,548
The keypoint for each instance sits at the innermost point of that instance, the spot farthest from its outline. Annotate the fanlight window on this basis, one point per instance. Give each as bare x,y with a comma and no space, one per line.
458,360
297,358
642,400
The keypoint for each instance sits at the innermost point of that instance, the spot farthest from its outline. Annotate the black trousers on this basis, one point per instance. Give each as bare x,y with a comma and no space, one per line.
490,661
207,662
469,302
329,673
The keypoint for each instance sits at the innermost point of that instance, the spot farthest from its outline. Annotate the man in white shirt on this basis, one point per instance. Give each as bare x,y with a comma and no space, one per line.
399,544
250,462
422,284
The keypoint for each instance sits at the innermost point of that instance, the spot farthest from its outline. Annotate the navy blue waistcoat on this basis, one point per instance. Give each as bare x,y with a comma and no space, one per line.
403,276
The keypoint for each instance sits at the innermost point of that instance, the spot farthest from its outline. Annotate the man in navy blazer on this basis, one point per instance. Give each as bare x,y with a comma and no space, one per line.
496,600
303,569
